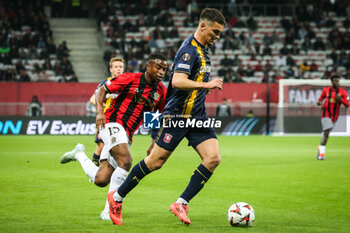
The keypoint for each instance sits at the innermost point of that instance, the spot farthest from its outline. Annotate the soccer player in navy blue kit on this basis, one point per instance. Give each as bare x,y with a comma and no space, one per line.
187,89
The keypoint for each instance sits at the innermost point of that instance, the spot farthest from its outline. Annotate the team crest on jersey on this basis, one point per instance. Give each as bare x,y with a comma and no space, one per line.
156,96
167,138
186,57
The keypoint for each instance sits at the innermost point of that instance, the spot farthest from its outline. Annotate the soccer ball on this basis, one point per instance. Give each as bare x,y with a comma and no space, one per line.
241,214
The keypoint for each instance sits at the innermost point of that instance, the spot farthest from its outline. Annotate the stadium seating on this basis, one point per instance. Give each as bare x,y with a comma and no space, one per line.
26,42
265,25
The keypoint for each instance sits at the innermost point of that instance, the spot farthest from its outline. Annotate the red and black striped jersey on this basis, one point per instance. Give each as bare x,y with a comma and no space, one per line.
135,97
330,108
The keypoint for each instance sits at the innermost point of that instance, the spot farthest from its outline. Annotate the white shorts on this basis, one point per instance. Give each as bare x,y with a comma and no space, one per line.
327,123
112,135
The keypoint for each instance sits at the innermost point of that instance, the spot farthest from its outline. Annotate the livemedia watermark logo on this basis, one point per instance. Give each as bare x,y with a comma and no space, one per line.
152,120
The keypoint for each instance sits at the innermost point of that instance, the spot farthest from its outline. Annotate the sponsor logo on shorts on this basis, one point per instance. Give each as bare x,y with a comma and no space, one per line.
167,138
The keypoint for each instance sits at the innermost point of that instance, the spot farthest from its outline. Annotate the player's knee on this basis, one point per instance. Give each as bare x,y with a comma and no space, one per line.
213,161
125,162
127,165
217,160
101,184
156,164
101,181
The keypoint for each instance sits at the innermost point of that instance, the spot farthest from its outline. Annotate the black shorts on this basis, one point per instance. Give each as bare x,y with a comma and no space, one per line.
170,137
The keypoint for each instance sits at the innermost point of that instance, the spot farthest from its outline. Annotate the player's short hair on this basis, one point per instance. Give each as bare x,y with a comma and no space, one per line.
333,76
113,59
213,15
157,56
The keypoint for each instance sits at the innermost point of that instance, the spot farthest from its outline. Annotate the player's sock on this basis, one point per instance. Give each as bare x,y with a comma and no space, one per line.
96,159
200,176
321,150
88,166
139,171
182,201
117,178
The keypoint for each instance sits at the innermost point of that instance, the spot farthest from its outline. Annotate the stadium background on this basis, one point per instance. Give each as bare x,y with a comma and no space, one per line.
59,50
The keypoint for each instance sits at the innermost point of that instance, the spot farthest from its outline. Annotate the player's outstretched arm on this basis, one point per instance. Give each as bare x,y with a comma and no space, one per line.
180,81
100,117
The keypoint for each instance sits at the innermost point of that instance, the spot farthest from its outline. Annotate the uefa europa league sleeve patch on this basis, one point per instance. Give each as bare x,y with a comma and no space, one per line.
186,57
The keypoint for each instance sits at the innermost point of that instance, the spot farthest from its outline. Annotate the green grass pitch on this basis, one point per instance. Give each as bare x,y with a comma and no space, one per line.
279,176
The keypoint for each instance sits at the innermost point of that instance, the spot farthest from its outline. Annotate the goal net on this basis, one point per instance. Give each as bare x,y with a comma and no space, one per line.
298,112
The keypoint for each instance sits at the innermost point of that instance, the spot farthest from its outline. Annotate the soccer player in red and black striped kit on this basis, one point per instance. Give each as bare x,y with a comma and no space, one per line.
334,96
137,93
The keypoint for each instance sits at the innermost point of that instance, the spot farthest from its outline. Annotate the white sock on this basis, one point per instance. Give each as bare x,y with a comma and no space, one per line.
116,181
321,149
182,201
88,166
118,177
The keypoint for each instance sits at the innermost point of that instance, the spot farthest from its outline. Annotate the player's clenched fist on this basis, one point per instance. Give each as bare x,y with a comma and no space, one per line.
215,83
100,120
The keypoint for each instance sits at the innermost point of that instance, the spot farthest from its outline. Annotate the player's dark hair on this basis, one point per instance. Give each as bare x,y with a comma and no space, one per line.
156,56
213,15
333,76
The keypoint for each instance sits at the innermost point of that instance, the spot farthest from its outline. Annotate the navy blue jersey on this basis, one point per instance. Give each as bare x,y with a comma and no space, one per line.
192,58
102,82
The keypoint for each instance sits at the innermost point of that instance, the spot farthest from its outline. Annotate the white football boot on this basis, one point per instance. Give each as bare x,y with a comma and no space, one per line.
70,156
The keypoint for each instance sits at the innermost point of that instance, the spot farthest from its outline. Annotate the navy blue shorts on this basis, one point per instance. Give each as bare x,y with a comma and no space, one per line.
169,138
154,133
98,138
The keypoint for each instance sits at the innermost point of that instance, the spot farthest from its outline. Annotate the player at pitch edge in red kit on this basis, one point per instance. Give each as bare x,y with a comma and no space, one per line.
334,96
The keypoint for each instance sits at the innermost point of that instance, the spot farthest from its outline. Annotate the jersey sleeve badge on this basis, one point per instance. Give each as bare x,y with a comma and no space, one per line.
186,57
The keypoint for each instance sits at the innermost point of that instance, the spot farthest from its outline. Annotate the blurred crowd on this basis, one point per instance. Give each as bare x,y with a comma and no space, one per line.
27,50
134,29
276,55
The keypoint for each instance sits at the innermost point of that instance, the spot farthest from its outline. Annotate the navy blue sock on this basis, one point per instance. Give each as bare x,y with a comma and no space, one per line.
139,171
200,176
96,157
